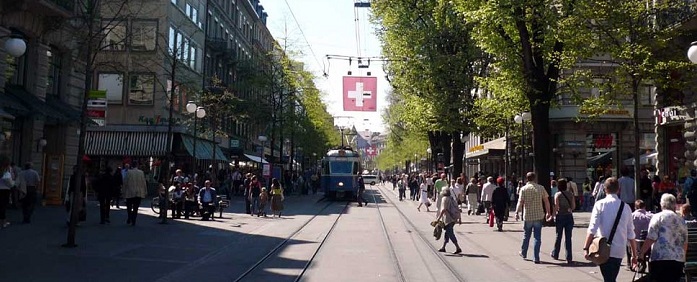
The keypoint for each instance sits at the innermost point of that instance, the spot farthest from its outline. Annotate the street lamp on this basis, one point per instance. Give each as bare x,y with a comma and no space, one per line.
262,139
199,112
428,155
463,139
692,52
15,46
521,119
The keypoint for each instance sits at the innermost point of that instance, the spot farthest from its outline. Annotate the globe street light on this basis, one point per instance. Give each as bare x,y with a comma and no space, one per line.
15,46
198,112
692,52
428,155
521,119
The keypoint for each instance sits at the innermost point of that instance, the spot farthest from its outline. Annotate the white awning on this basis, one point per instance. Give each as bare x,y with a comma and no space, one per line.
256,159
488,147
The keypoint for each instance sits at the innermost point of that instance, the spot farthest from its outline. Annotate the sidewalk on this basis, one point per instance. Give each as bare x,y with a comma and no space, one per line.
146,252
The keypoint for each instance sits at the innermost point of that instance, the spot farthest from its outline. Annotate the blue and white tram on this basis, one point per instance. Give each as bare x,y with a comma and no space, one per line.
340,169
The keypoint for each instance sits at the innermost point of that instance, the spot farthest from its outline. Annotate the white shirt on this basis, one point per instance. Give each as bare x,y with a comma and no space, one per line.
488,191
602,219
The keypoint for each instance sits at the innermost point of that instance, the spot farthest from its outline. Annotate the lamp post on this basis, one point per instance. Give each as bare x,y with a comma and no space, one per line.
198,112
428,155
521,119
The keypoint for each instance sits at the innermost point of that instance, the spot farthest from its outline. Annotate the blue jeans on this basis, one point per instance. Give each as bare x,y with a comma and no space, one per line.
450,235
535,227
255,205
565,226
610,269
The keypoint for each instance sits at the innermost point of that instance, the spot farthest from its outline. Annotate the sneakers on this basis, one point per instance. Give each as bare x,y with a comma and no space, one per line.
441,250
522,255
457,251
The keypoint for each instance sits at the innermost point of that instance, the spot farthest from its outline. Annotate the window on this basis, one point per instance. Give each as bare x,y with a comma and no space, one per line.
192,13
647,95
144,35
173,2
180,43
185,51
114,36
172,40
193,56
112,83
55,66
141,89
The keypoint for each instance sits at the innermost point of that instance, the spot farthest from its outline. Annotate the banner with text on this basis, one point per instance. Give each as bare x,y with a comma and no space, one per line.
360,93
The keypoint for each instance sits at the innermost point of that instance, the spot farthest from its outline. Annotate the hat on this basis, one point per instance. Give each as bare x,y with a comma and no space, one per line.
500,180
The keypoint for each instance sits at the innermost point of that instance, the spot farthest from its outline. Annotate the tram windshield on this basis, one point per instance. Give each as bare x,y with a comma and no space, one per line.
341,167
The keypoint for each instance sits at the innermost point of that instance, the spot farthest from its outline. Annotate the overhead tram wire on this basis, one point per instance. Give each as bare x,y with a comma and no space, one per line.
305,38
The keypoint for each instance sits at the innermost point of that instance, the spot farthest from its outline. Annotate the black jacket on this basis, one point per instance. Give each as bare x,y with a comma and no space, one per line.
499,200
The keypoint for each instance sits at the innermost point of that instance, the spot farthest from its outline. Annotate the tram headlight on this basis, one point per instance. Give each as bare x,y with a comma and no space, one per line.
341,184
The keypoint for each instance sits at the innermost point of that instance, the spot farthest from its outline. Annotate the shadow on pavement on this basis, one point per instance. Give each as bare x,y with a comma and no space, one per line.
183,250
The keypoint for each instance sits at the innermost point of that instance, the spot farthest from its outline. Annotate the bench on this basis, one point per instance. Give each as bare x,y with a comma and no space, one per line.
223,203
691,256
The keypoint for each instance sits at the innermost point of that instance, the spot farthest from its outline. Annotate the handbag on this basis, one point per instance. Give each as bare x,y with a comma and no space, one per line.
599,250
491,218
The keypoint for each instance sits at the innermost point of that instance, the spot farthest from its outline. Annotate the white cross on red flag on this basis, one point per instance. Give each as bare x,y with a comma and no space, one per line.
360,93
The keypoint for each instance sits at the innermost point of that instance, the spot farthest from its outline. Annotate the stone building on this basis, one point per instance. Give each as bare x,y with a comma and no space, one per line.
41,90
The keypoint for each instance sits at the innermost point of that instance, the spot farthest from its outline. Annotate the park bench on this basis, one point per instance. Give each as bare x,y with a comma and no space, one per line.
691,256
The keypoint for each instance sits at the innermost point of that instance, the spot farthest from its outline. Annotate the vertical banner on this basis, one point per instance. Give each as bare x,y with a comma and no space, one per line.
97,106
360,93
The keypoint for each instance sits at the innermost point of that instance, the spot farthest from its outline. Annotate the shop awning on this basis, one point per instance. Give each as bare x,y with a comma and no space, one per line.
644,159
256,159
126,143
494,147
600,159
204,149
52,109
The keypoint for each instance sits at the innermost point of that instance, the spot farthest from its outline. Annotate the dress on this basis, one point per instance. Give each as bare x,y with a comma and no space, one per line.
424,197
277,199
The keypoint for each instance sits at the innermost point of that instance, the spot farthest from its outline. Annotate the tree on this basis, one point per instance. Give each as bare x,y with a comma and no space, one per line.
432,65
532,42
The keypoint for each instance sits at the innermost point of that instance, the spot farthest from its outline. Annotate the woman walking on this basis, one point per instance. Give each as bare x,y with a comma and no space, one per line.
450,213
276,197
563,207
667,238
6,183
424,198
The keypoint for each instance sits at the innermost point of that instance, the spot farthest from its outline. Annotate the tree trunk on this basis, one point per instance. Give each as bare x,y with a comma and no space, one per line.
541,142
457,151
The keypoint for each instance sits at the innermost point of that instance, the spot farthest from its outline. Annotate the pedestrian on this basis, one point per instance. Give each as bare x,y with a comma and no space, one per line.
487,193
599,190
626,192
361,189
564,205
533,202
472,191
667,239
190,202
134,190
276,197
247,197
450,215
30,182
424,198
263,202
79,199
402,187
572,187
254,191
6,183
602,221
413,186
103,187
438,186
499,202
686,212
177,195
208,197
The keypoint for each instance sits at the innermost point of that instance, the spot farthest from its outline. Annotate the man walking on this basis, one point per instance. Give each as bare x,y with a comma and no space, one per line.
31,180
134,190
626,192
359,192
601,223
530,203
487,194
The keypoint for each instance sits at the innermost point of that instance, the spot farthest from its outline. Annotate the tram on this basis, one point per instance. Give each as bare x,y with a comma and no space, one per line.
340,168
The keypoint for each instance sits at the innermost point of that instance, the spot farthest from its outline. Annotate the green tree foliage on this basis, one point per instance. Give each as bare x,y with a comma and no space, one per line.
433,62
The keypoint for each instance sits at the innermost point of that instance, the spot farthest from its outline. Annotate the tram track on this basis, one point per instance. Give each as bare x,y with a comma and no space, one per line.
408,223
258,266
390,245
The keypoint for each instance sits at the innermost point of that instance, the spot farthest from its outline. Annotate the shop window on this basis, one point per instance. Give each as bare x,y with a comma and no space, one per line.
55,69
144,35
141,89
114,35
601,155
112,83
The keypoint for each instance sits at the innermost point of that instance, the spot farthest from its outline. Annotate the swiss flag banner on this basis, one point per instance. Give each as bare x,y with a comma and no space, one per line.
360,93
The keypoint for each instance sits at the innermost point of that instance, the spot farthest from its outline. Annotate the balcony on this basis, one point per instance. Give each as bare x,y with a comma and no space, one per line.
219,46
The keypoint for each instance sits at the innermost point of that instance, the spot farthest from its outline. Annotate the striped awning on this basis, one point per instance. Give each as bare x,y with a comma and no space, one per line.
126,143
204,149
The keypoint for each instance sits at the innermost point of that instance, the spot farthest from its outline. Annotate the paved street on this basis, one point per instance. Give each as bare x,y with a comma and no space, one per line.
359,248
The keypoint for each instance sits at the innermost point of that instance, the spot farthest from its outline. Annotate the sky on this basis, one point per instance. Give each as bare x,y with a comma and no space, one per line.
330,29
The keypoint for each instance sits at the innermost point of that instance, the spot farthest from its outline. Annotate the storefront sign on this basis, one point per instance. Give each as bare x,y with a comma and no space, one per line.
156,120
603,141
475,148
97,106
610,112
670,115
234,143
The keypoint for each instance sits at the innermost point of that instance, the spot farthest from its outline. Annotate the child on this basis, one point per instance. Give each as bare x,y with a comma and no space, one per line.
263,199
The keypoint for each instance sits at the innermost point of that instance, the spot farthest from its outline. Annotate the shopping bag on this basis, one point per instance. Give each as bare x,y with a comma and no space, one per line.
491,218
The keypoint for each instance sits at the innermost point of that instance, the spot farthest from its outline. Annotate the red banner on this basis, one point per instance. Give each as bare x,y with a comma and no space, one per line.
360,93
